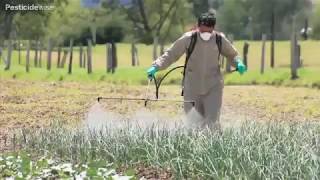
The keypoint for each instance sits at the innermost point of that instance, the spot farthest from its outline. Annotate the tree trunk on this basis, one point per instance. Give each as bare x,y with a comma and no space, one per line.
264,38
8,61
89,65
7,25
155,47
161,48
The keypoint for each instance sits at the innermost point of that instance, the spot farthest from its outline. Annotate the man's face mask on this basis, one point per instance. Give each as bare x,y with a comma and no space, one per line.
205,36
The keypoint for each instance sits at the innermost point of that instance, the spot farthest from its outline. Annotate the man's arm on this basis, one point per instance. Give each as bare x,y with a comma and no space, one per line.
172,54
229,51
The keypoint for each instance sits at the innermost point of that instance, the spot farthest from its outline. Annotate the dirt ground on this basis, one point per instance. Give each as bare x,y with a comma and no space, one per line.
35,104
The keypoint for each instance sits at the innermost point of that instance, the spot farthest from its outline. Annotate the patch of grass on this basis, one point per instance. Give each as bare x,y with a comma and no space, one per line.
279,77
122,75
308,77
254,151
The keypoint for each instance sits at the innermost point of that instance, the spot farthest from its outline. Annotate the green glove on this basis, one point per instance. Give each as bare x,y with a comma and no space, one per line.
152,71
241,68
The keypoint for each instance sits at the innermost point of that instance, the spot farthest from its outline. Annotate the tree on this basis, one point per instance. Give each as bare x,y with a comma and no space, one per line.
199,7
153,19
316,22
233,18
251,18
30,26
284,10
8,16
106,24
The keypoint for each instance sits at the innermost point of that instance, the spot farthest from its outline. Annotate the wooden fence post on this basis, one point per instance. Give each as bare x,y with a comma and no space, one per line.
109,57
134,55
245,53
114,57
36,54
84,63
49,55
0,53
19,52
272,40
294,72
70,57
28,57
59,57
64,58
89,53
299,60
40,53
80,56
297,56
133,61
8,60
306,26
111,50
264,38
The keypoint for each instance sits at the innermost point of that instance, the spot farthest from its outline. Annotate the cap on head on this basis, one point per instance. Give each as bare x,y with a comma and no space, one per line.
207,19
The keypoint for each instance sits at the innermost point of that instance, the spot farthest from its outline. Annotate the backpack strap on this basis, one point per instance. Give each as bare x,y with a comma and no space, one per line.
190,49
219,44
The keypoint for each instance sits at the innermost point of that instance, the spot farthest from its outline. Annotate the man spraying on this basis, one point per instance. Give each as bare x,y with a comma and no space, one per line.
203,80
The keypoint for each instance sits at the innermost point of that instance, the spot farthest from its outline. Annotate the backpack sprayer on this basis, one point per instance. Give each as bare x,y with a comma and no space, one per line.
147,99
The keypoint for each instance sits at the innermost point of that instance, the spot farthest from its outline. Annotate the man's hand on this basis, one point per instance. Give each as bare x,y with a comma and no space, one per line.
151,72
241,68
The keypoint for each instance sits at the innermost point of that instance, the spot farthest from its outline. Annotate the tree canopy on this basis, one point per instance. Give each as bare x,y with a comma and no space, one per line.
143,20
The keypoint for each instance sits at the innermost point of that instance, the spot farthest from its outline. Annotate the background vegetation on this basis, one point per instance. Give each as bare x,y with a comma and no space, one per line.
141,21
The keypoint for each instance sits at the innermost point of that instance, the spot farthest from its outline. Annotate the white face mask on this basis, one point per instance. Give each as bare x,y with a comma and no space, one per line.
205,36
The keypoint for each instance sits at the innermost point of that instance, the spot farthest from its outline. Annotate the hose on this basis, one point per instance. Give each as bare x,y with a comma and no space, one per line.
158,83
